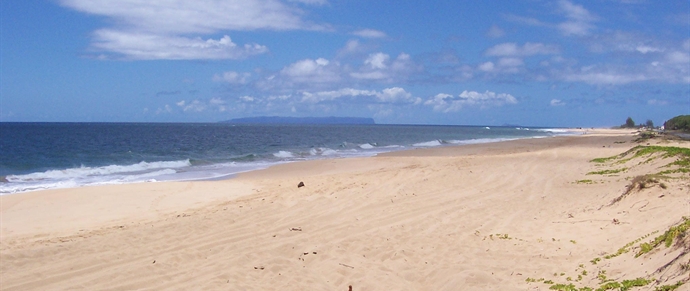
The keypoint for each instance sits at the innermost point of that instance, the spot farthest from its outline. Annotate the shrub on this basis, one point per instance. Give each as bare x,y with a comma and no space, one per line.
680,122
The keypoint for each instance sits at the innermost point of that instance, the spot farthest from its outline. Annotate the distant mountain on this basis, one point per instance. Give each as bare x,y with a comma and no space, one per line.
300,120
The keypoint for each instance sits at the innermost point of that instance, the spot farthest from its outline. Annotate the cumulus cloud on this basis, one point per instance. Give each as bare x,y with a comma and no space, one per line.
448,103
195,106
378,66
579,20
377,60
511,49
161,29
312,71
369,33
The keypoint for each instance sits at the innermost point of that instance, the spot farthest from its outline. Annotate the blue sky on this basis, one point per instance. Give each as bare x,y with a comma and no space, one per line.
527,62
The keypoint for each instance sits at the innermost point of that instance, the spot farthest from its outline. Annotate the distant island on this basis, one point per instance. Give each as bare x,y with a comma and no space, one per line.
300,120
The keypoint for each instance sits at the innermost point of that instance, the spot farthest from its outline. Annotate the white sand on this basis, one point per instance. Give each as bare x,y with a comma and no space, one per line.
433,219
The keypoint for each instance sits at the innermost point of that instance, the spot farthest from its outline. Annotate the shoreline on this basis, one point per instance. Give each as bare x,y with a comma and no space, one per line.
113,192
483,216
181,169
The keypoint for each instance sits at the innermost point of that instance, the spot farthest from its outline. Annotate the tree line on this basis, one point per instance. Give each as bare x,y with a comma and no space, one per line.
680,122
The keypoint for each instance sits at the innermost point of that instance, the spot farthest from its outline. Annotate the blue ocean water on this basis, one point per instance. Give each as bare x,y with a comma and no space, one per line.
36,156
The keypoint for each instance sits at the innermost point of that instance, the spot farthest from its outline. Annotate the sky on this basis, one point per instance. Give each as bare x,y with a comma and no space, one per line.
524,62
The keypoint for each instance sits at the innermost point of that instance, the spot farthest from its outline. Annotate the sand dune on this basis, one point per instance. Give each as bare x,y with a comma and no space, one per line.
477,217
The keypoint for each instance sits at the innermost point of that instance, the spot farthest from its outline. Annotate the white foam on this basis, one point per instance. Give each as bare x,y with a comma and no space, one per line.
433,143
478,140
323,152
329,152
366,146
554,130
283,154
96,171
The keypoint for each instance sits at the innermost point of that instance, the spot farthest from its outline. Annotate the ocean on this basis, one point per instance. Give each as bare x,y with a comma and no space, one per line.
36,156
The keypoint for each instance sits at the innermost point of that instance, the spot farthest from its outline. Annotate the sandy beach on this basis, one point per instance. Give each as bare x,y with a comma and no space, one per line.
516,215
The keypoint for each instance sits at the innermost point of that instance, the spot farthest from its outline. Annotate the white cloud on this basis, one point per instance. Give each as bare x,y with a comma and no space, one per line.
377,60
557,102
372,75
138,46
503,65
448,103
605,78
644,49
379,67
312,71
677,57
579,21
511,49
332,95
396,95
232,77
388,95
165,109
486,67
196,106
369,33
216,101
171,29
201,16
247,99
510,62
351,47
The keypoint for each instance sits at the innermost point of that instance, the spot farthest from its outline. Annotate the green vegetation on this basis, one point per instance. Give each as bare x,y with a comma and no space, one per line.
608,172
680,165
624,249
680,122
675,160
627,284
629,123
669,287
667,238
563,287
